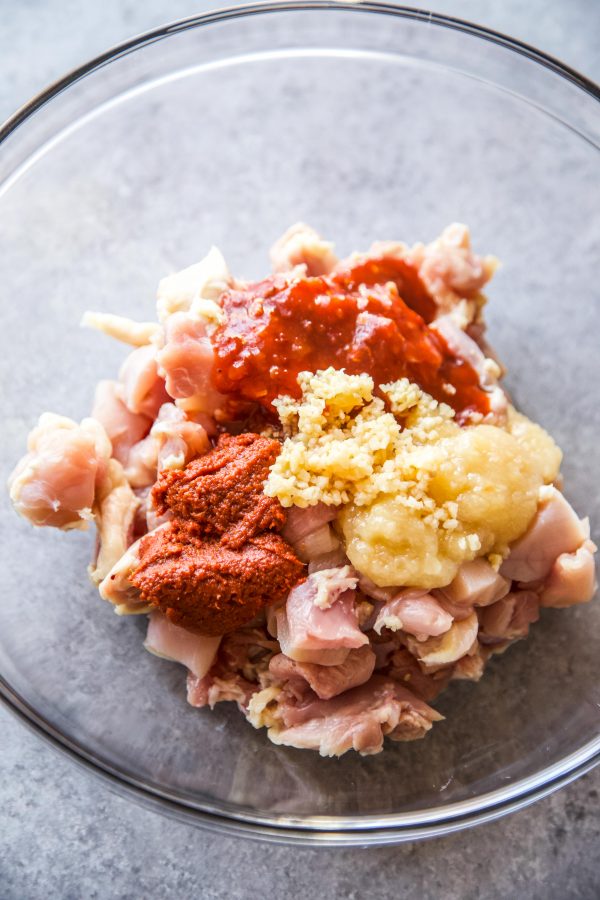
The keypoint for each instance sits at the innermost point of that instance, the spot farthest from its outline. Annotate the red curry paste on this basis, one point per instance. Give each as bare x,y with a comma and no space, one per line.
218,562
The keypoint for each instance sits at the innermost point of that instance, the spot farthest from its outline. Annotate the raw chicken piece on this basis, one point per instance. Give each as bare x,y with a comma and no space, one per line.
115,514
309,533
122,329
556,529
357,719
458,611
179,437
205,280
305,631
332,560
123,427
414,611
449,326
450,269
302,246
477,332
153,519
404,668
326,681
213,689
465,347
117,587
142,463
175,438
248,651
140,522
449,647
471,667
509,618
301,522
476,584
572,578
186,360
56,482
318,543
242,661
331,583
143,389
368,587
196,651
384,647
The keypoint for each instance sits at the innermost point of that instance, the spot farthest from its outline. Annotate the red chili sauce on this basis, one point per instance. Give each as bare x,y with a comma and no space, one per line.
368,317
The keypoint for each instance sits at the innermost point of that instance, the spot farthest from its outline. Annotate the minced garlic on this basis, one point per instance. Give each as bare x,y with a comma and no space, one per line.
420,494
341,443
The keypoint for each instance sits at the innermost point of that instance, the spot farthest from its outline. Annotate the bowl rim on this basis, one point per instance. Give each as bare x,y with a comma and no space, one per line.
392,828
324,831
264,7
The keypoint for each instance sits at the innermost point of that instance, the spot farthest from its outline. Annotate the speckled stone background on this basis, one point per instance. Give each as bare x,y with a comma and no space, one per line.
62,834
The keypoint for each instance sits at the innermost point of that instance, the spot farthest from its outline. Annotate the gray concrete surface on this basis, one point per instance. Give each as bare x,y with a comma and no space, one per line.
63,835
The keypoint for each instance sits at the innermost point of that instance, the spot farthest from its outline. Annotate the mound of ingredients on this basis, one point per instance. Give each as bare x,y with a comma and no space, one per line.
316,488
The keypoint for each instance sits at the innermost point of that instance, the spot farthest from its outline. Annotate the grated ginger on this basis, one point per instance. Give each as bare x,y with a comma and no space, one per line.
420,495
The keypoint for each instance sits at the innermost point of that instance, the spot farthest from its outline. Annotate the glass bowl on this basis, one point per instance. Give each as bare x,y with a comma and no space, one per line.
368,121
